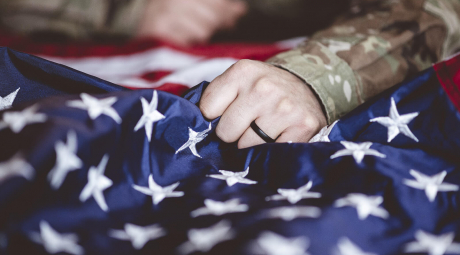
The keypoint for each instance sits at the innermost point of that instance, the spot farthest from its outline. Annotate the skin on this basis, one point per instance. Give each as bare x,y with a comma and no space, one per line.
188,22
280,103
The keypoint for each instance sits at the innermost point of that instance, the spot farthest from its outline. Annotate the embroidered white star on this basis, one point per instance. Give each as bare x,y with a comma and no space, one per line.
288,213
397,123
347,247
138,235
365,205
219,208
205,239
16,121
357,150
323,134
295,195
233,177
7,102
150,115
16,166
96,107
55,242
273,244
97,183
66,160
433,245
193,139
431,184
157,192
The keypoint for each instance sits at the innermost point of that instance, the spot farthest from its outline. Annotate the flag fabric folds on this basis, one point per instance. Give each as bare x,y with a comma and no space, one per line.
87,167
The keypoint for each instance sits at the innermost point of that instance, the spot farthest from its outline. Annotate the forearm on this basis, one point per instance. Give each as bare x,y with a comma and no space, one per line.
368,52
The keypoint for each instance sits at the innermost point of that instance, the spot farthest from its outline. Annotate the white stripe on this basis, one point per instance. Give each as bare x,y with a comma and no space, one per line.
163,59
187,69
191,76
291,43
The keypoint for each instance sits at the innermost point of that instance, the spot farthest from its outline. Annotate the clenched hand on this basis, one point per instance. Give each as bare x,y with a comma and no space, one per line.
281,104
188,22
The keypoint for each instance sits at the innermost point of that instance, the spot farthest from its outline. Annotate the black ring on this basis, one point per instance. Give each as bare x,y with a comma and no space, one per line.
261,133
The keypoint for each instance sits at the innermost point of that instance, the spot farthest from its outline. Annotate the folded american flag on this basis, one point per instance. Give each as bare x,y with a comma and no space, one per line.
88,167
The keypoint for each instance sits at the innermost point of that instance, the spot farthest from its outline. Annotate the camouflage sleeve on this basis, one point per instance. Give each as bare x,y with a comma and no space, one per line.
75,18
377,45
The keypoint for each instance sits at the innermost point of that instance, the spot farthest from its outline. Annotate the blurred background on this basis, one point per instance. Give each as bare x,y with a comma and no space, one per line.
179,22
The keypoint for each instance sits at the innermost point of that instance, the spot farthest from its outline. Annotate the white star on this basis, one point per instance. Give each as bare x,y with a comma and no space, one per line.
219,208
16,166
347,247
55,242
7,102
433,245
233,177
97,183
16,121
138,235
150,115
289,213
357,150
66,160
205,239
157,192
96,107
365,205
431,184
323,134
193,139
397,123
295,195
273,244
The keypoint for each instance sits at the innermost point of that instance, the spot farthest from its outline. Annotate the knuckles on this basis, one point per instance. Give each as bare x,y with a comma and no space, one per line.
242,65
265,87
311,125
286,107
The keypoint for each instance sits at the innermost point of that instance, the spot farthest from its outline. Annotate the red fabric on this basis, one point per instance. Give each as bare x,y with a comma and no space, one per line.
448,73
85,49
138,70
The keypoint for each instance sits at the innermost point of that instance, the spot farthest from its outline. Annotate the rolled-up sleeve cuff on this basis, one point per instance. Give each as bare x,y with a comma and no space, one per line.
329,76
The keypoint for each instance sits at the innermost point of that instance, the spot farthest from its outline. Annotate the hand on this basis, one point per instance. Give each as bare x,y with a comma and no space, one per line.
280,103
187,22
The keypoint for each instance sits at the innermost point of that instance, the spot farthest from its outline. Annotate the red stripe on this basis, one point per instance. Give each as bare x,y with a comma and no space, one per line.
173,88
448,73
255,51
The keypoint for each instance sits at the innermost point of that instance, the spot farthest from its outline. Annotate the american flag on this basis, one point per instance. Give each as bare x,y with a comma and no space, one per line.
89,167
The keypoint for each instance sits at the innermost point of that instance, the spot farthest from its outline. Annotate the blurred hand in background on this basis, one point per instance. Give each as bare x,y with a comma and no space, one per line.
188,22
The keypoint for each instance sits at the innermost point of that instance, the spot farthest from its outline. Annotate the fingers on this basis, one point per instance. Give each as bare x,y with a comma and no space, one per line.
236,119
290,134
224,89
297,134
268,124
231,11
249,138
217,97
186,22
280,103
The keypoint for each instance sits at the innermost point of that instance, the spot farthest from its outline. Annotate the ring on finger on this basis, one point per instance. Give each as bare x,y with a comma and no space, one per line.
261,133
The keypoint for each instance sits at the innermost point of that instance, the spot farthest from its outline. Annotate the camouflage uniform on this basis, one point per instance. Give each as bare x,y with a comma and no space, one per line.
75,18
377,45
